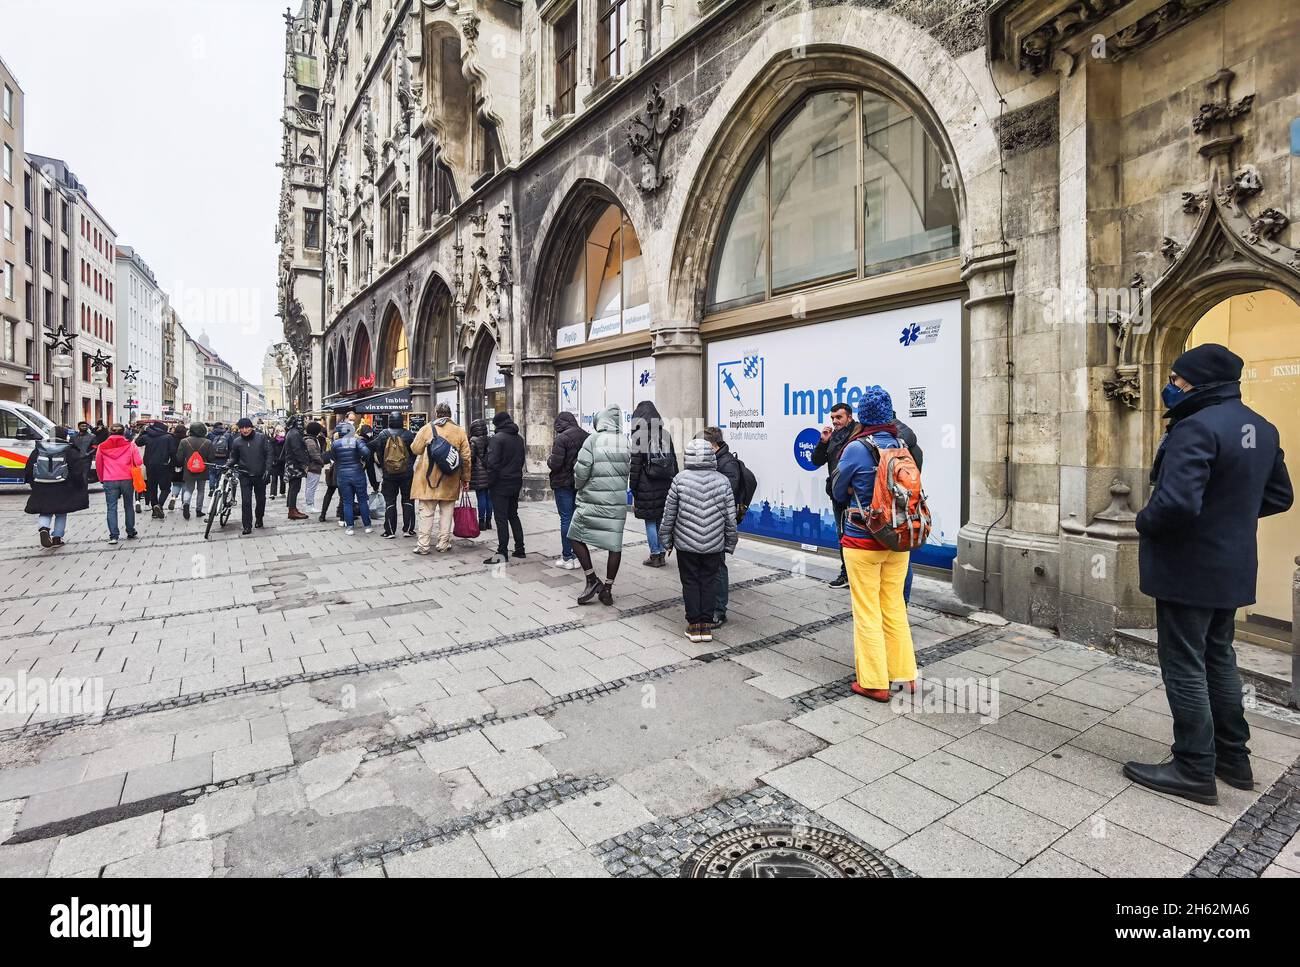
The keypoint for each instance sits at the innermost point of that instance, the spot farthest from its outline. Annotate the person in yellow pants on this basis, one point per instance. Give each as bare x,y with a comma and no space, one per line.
882,638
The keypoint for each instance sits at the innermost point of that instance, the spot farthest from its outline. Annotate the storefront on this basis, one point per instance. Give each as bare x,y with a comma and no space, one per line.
811,299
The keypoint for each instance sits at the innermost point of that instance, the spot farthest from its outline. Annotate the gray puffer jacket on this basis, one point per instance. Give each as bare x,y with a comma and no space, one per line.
600,474
700,513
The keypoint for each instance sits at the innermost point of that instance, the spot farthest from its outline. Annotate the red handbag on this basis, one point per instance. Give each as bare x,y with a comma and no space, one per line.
465,518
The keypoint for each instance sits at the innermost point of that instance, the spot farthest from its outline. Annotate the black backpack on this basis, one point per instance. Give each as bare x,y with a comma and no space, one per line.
748,485
51,464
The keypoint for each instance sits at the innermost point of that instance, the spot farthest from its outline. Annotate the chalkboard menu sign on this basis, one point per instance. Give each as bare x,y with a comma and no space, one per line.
416,420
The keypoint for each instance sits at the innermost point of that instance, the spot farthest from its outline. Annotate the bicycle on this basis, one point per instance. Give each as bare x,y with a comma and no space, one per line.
223,501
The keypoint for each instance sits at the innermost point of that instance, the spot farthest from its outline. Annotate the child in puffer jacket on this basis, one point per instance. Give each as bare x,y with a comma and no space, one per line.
700,524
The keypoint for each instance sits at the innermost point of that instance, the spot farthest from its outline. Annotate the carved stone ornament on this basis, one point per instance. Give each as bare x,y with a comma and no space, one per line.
1246,184
1124,386
1170,249
647,137
1194,201
1266,226
1116,522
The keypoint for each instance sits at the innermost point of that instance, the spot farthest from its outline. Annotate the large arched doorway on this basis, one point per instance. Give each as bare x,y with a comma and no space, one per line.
341,381
487,389
363,365
433,351
840,228
1263,328
394,353
595,308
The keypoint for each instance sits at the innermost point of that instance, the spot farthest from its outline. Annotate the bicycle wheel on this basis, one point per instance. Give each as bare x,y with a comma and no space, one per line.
218,499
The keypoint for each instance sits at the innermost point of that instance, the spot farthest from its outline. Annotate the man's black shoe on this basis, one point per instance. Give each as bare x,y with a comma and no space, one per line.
1169,778
496,559
259,524
520,553
1239,777
185,511
719,621
840,582
247,531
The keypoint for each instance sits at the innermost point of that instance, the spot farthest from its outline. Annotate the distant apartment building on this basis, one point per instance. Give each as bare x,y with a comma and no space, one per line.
140,331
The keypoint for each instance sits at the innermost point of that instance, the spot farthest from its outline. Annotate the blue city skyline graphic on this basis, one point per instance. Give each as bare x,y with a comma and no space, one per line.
804,525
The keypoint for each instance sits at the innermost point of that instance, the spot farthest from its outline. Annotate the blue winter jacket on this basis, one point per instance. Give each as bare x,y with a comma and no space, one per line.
349,455
854,481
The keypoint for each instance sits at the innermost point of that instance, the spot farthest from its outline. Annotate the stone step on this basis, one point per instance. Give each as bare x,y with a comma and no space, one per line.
1270,671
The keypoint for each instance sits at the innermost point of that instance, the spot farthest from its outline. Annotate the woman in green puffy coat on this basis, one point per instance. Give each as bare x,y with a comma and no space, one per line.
600,476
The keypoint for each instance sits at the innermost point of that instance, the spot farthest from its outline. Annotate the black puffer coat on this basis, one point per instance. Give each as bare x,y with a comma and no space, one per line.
478,445
159,448
654,462
569,438
58,498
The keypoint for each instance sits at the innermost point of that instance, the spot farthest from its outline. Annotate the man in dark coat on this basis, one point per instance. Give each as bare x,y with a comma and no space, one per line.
569,437
651,473
296,461
478,473
397,482
827,454
52,501
729,467
1218,469
505,461
159,448
250,458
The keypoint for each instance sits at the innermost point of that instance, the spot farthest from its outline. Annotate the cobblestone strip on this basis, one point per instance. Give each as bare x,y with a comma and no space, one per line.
1256,839
440,733
657,849
166,803
516,805
834,691
58,726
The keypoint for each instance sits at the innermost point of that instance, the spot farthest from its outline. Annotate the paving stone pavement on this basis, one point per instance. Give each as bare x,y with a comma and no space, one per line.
302,703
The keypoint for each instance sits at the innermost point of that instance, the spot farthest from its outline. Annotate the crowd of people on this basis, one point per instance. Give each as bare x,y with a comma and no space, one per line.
1197,553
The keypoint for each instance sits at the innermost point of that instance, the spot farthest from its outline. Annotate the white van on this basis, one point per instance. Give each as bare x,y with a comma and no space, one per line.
20,427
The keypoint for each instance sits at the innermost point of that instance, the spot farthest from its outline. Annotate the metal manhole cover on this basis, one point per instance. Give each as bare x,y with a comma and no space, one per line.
770,852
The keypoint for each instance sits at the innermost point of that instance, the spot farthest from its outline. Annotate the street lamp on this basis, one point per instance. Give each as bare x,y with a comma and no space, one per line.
129,374
101,363
61,346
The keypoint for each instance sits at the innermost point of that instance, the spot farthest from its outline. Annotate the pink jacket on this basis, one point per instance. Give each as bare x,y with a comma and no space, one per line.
115,458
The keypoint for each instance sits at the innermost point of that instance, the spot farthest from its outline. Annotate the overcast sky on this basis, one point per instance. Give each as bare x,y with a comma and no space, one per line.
168,111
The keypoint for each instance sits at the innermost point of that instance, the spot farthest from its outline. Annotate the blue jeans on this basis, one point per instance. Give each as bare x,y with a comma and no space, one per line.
214,477
652,536
484,507
56,523
354,488
907,583
565,500
124,490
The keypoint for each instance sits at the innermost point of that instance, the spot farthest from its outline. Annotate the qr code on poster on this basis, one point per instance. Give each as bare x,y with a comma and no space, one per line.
916,401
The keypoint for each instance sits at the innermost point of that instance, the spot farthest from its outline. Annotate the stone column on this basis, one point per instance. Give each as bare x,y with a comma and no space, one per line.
536,419
679,382
422,396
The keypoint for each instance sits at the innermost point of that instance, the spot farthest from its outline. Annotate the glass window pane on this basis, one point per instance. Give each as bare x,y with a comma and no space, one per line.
813,177
635,291
742,256
910,215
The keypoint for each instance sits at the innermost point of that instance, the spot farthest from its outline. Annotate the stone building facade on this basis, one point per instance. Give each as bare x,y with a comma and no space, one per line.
530,201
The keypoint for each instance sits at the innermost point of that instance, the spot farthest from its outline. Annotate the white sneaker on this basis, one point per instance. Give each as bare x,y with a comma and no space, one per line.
349,532
368,530
560,563
343,523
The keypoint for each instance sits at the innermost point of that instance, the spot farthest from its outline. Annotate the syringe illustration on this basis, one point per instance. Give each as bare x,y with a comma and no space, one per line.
731,385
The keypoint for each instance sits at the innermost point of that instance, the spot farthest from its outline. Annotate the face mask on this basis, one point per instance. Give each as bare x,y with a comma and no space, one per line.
1171,396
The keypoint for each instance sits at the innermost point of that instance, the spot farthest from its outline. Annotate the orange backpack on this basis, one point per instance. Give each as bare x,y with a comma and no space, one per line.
899,517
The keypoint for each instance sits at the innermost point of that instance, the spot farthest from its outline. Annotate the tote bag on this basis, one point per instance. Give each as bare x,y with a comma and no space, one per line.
465,518
137,479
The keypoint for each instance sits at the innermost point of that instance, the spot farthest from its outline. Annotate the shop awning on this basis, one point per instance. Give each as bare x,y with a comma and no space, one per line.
384,401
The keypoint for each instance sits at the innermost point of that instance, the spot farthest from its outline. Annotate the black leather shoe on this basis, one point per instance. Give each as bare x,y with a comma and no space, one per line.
1169,778
593,588
607,596
521,553
1237,776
